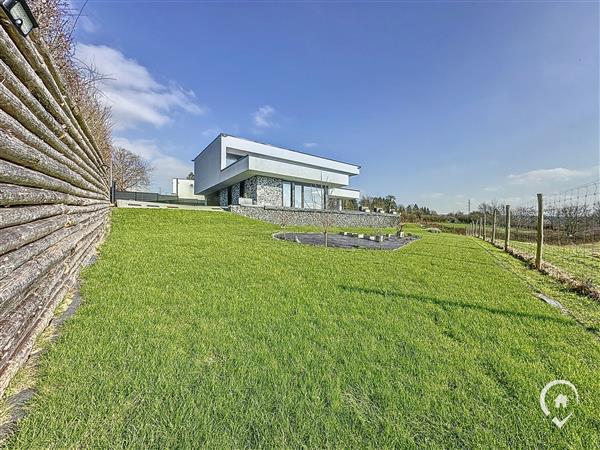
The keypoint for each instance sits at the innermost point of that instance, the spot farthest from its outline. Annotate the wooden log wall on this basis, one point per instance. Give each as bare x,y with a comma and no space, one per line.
54,194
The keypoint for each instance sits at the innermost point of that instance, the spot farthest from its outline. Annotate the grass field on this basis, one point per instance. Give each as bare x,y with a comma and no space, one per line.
199,330
581,261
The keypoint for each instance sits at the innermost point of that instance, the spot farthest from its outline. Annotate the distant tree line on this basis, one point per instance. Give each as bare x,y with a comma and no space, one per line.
388,203
414,212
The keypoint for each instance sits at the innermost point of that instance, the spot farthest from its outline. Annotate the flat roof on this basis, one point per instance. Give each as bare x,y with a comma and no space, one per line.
275,146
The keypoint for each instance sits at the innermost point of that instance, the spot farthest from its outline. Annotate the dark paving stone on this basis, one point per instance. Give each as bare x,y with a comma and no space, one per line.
340,241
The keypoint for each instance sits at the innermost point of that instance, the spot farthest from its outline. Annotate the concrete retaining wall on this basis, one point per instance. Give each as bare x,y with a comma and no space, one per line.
293,216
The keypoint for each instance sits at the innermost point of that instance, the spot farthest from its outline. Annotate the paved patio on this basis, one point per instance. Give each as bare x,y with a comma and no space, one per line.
340,241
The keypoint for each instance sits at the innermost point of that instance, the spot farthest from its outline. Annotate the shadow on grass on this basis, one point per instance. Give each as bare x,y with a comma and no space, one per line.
457,304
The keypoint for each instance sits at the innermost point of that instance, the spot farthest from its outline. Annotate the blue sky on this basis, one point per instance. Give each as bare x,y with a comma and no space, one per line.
437,101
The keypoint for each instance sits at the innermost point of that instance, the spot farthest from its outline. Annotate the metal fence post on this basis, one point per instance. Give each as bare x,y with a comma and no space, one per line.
540,232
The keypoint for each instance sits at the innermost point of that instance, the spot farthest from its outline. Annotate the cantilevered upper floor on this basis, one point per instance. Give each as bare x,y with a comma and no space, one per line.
228,160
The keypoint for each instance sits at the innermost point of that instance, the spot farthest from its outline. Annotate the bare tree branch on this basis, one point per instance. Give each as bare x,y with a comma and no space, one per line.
130,171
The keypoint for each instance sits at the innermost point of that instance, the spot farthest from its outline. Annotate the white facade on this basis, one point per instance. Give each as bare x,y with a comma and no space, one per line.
184,188
229,160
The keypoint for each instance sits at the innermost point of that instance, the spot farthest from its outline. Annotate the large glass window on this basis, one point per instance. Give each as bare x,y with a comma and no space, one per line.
287,194
297,196
313,197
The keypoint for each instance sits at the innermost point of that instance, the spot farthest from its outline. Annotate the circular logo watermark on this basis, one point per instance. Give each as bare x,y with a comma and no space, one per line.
560,402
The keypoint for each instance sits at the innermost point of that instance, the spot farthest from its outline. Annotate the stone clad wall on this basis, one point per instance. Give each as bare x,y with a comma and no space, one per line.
223,198
269,191
262,190
251,188
293,216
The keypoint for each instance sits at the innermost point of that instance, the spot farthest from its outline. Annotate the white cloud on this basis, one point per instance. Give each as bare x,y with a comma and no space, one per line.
310,144
541,176
263,117
165,167
130,90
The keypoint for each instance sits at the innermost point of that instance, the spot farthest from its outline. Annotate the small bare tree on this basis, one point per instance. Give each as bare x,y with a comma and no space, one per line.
130,171
323,218
399,226
326,220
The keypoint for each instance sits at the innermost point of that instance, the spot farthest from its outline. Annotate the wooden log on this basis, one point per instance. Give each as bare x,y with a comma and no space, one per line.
26,251
540,232
17,120
22,58
14,93
507,228
484,222
70,247
54,184
29,301
14,320
15,151
11,194
29,52
16,351
13,174
30,272
14,237
71,109
494,225
17,215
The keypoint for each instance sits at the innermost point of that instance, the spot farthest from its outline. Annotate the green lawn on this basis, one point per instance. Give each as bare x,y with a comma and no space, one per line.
199,330
582,261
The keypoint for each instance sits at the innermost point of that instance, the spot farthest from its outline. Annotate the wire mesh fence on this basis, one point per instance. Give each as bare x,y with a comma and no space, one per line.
565,240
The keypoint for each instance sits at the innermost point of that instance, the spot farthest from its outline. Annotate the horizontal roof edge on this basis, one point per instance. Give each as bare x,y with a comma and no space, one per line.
277,146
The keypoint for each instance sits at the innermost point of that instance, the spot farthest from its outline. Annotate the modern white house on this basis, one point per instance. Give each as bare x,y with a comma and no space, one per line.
231,168
184,188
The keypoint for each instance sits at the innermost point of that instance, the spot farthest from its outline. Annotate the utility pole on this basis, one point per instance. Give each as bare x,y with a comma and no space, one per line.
469,206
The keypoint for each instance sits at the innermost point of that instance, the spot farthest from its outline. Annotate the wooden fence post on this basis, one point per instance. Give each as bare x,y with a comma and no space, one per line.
483,222
507,229
494,226
540,232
